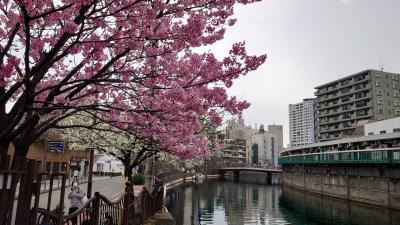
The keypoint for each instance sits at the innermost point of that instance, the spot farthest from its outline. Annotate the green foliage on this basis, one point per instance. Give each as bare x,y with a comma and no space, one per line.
138,179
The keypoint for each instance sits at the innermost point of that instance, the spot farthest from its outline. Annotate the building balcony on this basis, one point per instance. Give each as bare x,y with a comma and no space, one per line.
330,128
361,87
363,105
362,115
327,105
362,96
329,137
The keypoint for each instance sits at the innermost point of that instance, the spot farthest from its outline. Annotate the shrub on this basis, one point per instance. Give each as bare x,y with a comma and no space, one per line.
138,179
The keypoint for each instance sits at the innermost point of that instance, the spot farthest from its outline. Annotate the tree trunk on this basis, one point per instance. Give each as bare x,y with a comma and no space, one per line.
128,172
21,150
4,159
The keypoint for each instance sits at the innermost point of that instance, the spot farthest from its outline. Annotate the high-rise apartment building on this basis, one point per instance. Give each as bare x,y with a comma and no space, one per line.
341,104
302,123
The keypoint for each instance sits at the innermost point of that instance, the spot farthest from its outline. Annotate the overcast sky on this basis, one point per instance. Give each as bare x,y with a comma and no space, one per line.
308,43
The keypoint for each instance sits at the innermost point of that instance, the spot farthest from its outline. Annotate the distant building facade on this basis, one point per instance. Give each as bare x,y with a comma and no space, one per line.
302,123
235,151
382,127
278,131
264,150
63,161
104,163
367,95
237,143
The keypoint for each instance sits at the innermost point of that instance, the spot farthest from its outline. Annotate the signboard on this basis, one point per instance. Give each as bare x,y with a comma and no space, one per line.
108,161
56,146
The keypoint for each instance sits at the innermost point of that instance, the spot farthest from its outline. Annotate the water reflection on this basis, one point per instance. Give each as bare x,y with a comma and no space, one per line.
299,205
216,202
225,202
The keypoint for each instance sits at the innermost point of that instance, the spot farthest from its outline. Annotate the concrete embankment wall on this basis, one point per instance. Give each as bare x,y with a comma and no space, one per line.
369,183
180,181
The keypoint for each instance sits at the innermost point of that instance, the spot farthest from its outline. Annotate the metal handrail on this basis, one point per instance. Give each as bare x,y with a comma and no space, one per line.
383,155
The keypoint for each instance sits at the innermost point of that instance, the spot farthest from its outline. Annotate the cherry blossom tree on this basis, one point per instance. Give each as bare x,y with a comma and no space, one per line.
129,147
128,62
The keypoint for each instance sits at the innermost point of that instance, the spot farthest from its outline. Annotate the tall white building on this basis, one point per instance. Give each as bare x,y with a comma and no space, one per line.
302,123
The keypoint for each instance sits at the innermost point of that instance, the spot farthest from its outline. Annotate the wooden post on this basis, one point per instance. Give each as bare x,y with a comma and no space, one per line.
89,187
62,195
37,197
143,202
49,199
23,214
94,219
127,202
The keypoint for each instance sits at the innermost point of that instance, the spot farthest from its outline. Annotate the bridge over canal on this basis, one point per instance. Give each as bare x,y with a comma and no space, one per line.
240,168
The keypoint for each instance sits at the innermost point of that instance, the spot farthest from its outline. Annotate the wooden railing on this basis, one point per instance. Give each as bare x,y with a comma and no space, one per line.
126,210
98,210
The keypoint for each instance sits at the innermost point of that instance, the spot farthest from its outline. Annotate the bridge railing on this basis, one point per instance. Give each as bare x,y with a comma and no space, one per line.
387,155
234,165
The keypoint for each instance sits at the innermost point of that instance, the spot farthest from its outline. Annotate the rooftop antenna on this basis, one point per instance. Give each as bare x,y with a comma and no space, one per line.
380,63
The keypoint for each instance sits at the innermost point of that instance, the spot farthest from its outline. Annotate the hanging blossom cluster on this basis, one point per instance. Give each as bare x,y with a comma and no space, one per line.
128,62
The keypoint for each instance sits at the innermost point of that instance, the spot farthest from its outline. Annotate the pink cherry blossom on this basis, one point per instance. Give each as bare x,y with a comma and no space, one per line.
129,63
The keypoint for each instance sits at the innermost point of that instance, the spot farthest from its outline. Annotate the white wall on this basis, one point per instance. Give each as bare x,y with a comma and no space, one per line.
384,125
109,164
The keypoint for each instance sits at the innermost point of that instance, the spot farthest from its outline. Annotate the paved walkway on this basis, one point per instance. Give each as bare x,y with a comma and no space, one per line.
45,185
163,217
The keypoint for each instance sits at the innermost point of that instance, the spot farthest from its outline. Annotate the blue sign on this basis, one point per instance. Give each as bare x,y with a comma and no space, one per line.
108,161
56,146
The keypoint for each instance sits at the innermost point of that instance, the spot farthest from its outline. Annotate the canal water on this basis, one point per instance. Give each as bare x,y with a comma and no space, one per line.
239,203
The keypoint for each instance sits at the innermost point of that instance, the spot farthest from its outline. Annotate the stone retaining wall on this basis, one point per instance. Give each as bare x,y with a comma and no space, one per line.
372,184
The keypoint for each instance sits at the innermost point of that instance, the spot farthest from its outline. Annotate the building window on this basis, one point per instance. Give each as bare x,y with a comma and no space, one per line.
64,166
395,94
48,167
380,111
397,112
379,93
396,130
377,74
396,103
56,167
99,167
382,132
378,84
395,77
395,86
370,133
379,101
